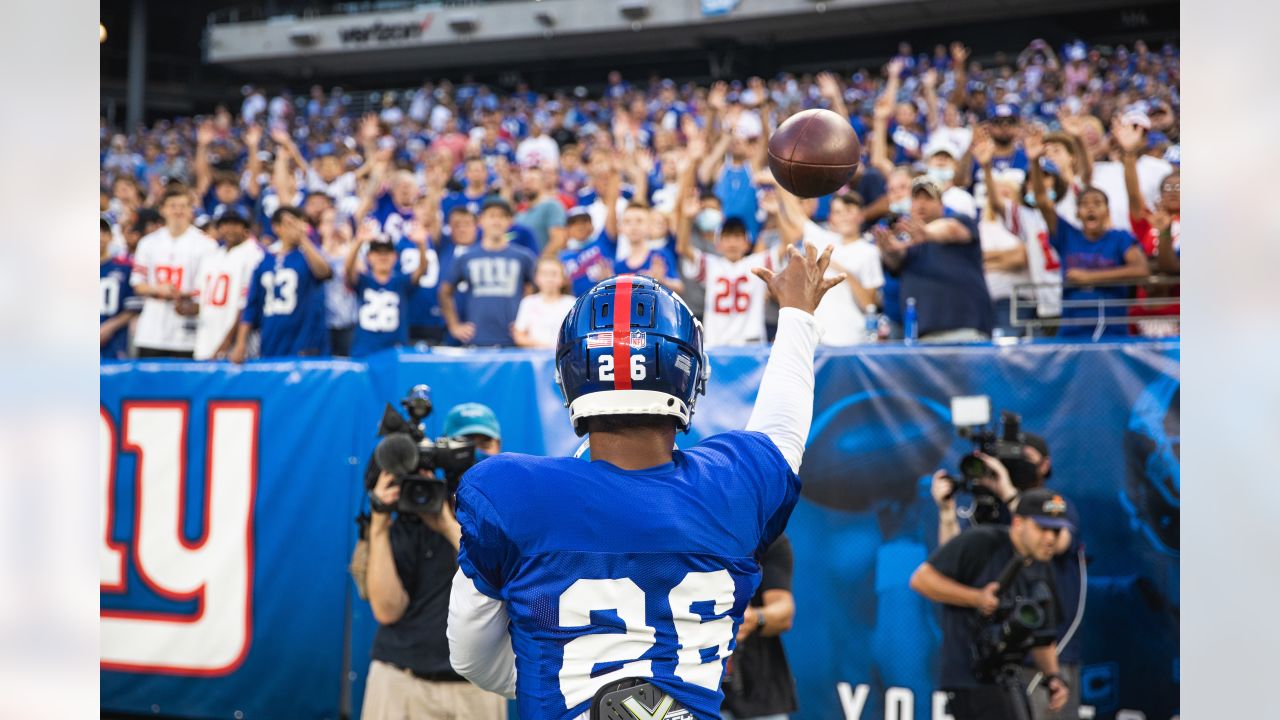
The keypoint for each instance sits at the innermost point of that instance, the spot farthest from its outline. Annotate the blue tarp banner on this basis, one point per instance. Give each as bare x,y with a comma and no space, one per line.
229,495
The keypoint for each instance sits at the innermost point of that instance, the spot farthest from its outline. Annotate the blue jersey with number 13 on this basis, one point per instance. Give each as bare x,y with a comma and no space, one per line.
608,573
286,300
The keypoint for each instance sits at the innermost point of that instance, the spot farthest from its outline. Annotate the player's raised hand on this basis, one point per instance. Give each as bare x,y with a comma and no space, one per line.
801,284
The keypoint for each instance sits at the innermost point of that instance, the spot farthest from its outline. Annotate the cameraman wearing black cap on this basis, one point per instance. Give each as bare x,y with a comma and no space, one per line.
1068,561
965,576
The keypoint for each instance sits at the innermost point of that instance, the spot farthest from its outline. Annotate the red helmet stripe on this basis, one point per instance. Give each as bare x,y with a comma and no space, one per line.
622,333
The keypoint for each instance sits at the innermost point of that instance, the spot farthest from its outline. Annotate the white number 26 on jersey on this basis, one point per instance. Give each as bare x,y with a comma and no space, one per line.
694,634
606,368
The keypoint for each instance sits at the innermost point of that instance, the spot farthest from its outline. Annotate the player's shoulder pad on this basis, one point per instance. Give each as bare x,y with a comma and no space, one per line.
739,446
507,474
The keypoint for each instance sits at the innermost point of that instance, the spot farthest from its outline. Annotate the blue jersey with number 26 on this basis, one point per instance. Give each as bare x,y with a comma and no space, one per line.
609,573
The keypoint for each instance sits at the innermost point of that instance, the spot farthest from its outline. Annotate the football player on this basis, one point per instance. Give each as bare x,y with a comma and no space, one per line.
627,576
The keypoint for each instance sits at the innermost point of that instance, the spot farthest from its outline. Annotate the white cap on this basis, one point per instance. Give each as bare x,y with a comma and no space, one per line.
1136,116
942,144
748,126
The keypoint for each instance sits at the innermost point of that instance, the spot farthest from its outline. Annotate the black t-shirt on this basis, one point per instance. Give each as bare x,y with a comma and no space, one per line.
759,681
426,563
1066,578
947,282
976,557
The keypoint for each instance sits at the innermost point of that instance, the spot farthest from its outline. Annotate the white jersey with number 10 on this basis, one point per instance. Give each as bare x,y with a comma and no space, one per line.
224,287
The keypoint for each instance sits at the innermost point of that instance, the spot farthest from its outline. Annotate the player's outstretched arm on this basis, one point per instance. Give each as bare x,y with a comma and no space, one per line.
784,405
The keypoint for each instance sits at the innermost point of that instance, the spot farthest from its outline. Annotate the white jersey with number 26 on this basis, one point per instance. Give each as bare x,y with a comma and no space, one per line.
735,298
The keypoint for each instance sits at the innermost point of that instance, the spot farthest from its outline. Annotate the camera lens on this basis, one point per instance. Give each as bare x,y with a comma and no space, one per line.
1029,616
972,467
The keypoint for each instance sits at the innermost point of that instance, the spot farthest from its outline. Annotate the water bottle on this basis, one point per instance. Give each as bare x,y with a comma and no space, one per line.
910,329
872,324
883,328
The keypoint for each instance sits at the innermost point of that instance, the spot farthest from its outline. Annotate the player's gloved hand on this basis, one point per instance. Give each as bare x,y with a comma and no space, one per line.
801,284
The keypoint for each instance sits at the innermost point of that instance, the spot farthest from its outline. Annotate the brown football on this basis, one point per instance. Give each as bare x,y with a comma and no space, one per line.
814,153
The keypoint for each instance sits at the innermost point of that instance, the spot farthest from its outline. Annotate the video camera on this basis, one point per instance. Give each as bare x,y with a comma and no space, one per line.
405,452
1018,624
972,417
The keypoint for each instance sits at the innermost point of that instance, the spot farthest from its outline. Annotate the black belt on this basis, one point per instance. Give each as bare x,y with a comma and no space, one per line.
441,676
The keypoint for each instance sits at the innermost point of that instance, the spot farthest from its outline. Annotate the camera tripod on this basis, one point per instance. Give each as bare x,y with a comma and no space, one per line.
1016,695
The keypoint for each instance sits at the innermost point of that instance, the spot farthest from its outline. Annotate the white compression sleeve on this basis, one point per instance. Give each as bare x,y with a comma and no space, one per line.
479,643
784,404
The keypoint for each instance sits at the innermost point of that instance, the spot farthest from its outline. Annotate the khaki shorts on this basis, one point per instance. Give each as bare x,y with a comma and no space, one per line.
394,694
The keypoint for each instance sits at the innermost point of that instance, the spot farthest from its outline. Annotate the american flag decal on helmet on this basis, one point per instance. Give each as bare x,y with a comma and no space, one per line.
605,339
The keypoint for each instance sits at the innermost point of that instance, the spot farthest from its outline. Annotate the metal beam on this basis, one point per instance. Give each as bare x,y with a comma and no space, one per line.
135,97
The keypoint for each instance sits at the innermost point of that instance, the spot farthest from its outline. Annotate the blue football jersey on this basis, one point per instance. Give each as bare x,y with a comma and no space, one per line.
461,199
381,321
116,296
590,263
286,301
423,307
609,573
392,220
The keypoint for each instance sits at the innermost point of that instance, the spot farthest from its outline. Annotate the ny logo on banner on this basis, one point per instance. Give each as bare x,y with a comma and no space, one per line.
215,571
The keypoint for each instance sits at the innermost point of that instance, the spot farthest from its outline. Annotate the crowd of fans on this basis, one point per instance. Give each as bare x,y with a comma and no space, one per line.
1038,187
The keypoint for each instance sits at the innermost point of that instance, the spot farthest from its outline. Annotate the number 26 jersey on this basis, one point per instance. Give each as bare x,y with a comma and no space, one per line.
609,573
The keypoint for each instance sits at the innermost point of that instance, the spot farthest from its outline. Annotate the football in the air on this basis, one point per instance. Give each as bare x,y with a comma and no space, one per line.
813,153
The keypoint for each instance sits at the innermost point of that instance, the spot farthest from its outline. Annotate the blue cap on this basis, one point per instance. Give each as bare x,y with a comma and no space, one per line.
472,419
324,149
1006,110
1046,507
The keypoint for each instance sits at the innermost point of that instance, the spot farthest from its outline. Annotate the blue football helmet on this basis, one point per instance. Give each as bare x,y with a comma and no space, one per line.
630,346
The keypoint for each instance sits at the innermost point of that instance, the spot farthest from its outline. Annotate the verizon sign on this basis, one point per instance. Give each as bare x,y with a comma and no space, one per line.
380,32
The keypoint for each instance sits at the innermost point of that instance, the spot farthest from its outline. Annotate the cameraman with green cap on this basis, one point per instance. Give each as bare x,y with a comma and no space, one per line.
477,423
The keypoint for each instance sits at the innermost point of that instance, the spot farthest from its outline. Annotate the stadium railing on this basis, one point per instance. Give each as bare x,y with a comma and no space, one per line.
1023,294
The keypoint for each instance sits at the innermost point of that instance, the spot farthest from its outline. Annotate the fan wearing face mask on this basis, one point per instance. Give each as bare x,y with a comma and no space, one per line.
942,164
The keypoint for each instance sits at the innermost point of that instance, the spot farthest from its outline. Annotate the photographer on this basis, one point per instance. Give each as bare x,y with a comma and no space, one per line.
963,575
1067,562
758,683
411,562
